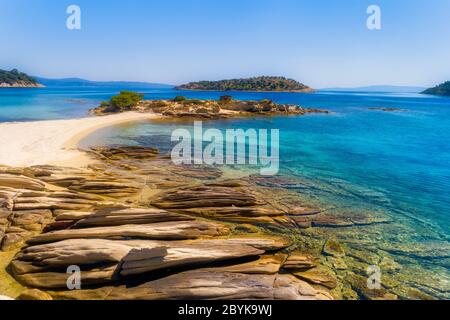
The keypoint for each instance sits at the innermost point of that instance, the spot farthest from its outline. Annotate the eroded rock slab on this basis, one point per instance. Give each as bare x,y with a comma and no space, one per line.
121,216
20,182
207,284
164,230
298,261
205,196
104,261
319,277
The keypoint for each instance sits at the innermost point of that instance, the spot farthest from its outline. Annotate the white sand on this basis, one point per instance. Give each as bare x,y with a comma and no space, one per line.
54,142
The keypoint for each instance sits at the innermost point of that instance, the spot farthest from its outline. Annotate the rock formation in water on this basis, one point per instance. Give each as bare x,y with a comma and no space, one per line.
180,107
264,84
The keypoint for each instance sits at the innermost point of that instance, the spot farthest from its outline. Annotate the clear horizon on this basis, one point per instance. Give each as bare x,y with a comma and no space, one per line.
321,43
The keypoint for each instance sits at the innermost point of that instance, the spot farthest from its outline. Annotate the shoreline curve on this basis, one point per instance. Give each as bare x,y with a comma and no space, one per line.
55,142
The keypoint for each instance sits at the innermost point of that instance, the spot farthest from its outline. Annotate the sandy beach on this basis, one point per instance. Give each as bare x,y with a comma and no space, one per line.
55,142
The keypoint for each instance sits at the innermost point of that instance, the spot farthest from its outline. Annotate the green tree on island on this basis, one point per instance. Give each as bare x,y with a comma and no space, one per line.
440,90
126,99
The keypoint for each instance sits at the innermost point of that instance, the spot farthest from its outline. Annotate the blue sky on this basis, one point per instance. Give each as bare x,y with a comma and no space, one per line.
323,43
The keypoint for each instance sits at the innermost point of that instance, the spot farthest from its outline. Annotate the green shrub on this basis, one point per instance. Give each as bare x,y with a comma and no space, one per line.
126,99
179,99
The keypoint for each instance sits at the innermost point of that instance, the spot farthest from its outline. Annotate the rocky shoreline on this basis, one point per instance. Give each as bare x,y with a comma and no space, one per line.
131,220
21,84
225,107
140,227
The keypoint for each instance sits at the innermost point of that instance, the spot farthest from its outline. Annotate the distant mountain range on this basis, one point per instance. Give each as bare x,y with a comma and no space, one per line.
17,79
77,82
381,88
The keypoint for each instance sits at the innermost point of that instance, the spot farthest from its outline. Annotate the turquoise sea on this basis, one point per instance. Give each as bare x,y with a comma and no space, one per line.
353,159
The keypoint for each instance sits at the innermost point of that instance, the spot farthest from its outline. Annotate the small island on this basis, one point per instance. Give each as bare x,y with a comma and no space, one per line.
256,84
440,90
181,107
16,79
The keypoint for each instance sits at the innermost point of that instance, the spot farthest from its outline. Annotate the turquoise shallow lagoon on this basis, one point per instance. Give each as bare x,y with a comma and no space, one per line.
354,159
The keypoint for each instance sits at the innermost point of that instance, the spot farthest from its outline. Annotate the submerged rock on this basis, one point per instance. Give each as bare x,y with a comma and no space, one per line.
319,277
332,247
298,261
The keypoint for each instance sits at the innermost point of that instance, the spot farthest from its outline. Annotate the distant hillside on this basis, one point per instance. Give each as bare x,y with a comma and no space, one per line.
77,82
380,88
16,79
279,84
440,90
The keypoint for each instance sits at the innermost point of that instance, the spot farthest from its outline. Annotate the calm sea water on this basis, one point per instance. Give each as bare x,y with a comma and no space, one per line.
395,161
404,154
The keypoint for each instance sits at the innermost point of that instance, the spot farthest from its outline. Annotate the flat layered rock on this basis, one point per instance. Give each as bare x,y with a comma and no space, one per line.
264,265
298,261
266,243
18,226
318,277
73,215
157,231
140,261
6,199
37,266
205,196
121,216
31,220
27,201
20,182
137,253
73,252
207,284
126,152
229,212
58,280
34,294
15,238
106,187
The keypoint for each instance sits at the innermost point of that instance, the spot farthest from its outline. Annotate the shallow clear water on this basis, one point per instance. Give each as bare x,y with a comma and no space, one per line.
397,162
403,154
